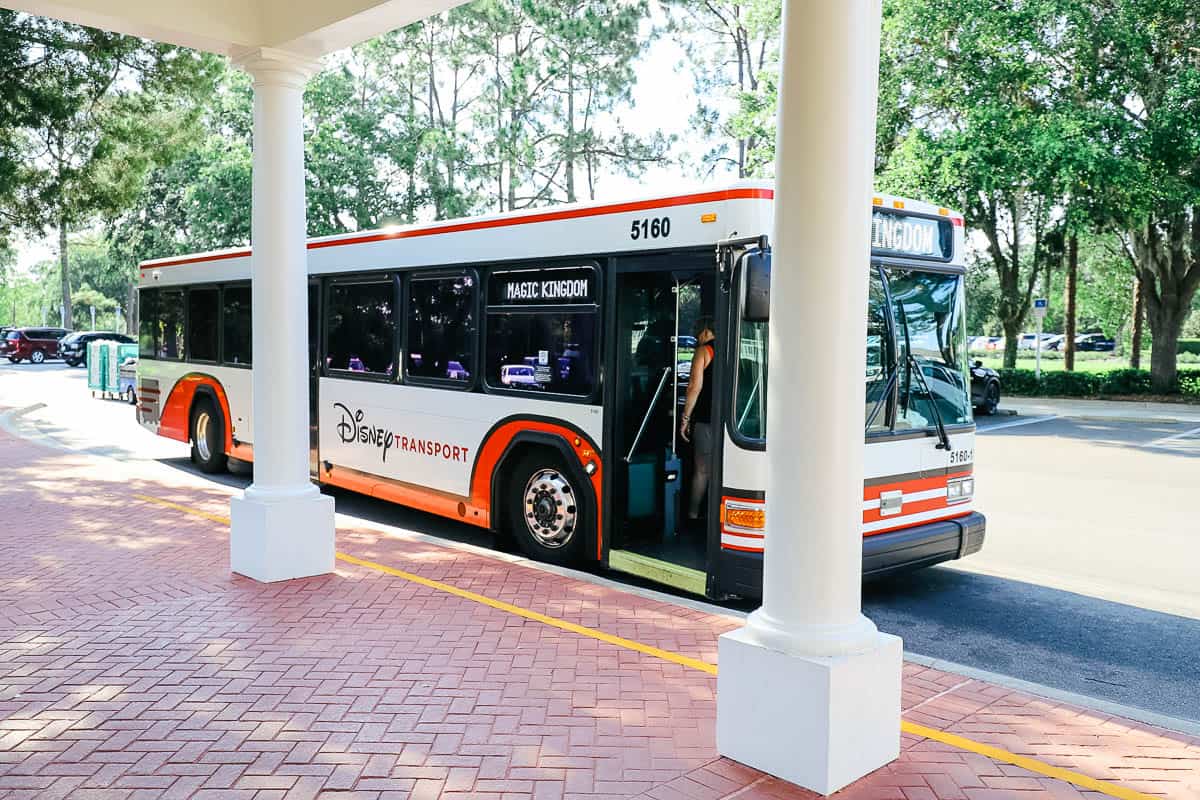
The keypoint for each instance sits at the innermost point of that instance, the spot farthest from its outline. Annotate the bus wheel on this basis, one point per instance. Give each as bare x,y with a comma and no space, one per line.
208,437
545,515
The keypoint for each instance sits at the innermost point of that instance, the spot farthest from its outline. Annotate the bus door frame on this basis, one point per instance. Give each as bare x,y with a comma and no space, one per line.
691,261
731,255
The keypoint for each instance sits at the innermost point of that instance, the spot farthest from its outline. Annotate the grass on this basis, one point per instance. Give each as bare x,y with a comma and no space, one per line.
996,361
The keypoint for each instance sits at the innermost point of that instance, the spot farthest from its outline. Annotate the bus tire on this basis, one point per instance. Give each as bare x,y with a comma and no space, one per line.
207,430
545,514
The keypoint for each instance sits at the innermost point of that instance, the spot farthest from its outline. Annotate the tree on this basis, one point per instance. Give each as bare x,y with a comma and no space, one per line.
733,46
116,105
1147,56
981,76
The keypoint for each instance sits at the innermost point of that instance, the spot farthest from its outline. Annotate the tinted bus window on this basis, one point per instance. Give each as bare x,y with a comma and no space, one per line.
879,354
147,323
362,328
441,323
236,315
170,323
546,351
202,324
928,310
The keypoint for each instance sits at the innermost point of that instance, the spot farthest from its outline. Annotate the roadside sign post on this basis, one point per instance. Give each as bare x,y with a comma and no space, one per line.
93,308
1039,313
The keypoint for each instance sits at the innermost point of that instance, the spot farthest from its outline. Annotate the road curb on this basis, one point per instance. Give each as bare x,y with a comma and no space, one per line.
1176,724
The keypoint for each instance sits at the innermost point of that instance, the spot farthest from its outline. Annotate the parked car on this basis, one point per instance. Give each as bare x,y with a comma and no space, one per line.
73,347
1053,342
1028,341
35,344
994,343
1096,342
985,389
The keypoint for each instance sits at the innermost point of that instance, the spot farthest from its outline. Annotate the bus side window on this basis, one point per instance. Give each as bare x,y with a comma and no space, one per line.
441,328
362,327
235,315
879,358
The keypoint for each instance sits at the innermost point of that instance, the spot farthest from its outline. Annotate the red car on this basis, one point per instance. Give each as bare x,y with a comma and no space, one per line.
35,344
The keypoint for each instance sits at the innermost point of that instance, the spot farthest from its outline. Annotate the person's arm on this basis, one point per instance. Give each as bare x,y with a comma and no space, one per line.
695,384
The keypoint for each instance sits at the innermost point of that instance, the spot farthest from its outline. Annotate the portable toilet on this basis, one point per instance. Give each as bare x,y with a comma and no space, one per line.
112,367
97,366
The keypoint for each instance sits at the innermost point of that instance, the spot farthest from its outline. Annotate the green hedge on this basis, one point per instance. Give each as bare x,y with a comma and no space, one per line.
1024,382
1189,346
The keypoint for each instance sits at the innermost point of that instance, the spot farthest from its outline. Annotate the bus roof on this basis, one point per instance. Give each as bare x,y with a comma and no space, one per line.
742,208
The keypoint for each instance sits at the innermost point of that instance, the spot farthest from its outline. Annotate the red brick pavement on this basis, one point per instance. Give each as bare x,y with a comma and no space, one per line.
134,665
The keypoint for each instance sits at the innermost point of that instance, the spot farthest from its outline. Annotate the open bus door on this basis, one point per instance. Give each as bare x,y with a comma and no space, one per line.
658,300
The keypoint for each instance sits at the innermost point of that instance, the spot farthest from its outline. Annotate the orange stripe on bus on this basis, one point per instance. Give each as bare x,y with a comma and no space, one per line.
911,486
502,222
422,498
909,507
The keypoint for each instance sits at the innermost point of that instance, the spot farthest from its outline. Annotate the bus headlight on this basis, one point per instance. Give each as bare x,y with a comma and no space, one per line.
960,490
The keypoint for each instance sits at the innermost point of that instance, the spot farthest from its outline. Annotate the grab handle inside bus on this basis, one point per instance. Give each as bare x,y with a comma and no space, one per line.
650,410
756,272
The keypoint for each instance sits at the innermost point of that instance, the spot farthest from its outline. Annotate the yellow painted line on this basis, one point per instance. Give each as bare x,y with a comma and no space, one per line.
1024,762
195,512
962,743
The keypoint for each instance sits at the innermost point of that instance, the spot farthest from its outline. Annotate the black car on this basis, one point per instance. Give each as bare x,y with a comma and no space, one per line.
985,389
1096,342
73,347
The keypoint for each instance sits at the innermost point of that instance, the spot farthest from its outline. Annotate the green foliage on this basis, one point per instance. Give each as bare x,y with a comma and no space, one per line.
733,50
1189,346
1112,383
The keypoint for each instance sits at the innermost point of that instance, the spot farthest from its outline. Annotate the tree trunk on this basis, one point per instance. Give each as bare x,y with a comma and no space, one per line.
1012,335
1069,332
131,311
65,273
1163,351
1139,314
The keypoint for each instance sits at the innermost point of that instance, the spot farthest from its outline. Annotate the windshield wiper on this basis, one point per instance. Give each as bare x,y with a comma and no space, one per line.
883,398
915,366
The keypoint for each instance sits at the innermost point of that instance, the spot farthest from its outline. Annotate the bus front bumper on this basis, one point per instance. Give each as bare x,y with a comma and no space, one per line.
923,545
740,574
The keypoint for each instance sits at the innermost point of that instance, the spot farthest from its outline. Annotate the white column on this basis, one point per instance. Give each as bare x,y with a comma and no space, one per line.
809,690
282,527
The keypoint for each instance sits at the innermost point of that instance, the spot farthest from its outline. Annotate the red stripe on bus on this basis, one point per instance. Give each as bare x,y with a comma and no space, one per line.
911,486
909,507
739,547
503,222
913,523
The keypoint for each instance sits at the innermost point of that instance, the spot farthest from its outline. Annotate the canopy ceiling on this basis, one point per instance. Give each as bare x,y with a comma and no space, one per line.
308,28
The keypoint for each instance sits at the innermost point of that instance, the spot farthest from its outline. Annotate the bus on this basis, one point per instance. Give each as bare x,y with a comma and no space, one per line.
525,372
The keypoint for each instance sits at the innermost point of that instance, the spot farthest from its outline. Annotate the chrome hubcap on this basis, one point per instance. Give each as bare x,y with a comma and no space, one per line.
202,447
37,357
550,510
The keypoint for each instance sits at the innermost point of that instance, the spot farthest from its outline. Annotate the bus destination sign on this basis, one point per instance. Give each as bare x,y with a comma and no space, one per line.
911,236
552,287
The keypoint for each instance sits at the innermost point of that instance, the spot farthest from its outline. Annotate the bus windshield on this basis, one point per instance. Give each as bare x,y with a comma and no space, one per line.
927,321
928,311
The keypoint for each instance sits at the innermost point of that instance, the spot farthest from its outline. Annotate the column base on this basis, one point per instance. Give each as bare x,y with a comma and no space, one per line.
820,722
280,538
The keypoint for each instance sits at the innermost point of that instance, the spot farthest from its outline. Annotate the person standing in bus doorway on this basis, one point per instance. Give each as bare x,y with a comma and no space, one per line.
696,424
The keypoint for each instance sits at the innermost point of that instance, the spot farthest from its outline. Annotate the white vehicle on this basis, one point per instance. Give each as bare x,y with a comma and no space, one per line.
428,342
519,376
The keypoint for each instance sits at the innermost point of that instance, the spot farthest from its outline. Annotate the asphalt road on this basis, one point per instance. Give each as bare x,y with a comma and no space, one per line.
1089,581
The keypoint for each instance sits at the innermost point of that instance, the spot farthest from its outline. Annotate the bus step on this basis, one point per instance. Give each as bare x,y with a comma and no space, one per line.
680,577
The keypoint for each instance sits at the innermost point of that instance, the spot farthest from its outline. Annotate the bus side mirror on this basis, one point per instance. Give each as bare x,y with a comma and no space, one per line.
756,272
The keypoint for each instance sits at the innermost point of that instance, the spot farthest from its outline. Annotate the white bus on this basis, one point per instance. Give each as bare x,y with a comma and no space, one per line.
525,372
